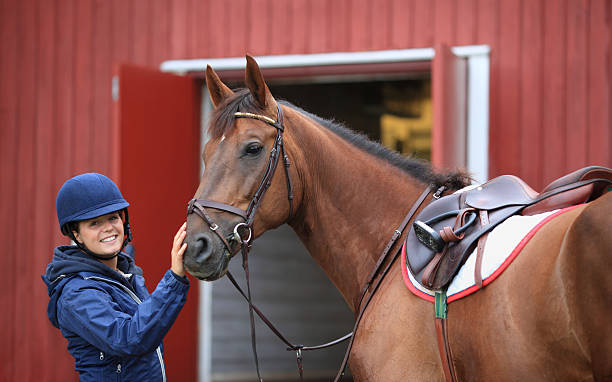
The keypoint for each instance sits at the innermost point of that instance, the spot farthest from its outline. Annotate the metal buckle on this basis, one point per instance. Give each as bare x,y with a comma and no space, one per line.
237,236
439,192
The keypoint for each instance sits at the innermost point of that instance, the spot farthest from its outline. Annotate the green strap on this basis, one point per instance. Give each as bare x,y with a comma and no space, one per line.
440,304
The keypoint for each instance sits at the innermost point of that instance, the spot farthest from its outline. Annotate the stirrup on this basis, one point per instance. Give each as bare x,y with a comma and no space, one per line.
432,239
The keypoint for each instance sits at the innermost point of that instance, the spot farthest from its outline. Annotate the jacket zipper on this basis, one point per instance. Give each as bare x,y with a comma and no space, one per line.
138,301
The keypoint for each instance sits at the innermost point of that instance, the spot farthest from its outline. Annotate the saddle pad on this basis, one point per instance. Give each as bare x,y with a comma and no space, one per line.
503,244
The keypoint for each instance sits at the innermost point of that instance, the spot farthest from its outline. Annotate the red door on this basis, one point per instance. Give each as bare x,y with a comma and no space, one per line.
156,126
449,93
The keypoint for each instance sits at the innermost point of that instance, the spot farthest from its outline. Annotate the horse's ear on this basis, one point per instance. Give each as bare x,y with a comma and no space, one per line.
217,89
256,84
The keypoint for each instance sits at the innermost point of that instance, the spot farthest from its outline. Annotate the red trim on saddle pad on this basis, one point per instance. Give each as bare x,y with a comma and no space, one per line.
493,276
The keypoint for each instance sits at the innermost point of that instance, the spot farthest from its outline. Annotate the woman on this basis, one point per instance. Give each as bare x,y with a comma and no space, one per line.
98,297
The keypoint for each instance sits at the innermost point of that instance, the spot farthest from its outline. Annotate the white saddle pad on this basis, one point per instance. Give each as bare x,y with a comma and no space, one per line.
503,244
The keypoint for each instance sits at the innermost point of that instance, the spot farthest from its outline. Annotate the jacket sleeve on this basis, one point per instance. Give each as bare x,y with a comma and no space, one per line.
89,311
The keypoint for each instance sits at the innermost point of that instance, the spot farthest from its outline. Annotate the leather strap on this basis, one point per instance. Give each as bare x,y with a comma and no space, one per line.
448,235
271,326
396,234
429,273
223,206
198,209
430,270
363,304
484,220
245,265
444,347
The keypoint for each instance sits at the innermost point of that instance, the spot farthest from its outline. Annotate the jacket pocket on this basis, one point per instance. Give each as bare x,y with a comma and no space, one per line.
111,372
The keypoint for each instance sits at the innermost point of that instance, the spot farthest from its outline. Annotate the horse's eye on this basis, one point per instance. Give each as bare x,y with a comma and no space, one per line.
253,149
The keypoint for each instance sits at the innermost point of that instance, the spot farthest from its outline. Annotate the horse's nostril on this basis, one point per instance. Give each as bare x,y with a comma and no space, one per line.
202,248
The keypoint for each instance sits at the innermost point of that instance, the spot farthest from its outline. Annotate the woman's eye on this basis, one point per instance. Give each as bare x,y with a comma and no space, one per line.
253,149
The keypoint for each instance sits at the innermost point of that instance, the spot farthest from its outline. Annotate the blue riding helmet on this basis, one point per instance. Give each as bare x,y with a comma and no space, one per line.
88,196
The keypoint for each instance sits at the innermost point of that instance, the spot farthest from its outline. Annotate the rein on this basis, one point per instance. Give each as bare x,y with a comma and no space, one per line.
198,206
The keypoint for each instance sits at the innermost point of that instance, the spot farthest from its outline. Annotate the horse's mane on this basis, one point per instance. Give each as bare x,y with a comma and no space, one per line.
223,120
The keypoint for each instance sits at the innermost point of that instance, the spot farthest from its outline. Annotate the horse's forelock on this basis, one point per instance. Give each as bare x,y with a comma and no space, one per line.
223,118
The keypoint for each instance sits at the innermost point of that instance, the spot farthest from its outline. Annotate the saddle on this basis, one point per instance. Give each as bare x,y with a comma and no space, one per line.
448,230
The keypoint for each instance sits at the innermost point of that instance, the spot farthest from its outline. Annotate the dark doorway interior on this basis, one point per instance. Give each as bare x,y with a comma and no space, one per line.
388,109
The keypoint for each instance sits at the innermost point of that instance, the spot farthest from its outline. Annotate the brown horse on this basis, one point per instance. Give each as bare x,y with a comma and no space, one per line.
546,318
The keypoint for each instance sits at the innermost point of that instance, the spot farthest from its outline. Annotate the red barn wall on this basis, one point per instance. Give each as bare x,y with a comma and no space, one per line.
551,64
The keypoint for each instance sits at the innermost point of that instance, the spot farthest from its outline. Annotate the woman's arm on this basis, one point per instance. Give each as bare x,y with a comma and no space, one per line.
87,309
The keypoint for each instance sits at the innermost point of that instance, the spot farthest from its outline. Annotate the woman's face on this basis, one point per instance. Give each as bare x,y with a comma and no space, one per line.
102,235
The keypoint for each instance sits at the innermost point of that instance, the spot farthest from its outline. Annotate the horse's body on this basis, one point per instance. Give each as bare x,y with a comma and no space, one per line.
545,318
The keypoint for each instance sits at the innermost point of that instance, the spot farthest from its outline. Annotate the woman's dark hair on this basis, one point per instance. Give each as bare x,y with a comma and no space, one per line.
72,226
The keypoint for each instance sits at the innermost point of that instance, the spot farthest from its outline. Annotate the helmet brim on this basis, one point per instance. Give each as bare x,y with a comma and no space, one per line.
99,211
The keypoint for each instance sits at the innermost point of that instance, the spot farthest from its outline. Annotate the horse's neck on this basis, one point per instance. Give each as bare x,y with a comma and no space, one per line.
352,202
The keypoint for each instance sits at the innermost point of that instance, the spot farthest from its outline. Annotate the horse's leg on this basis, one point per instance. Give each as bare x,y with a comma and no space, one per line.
396,340
587,267
524,325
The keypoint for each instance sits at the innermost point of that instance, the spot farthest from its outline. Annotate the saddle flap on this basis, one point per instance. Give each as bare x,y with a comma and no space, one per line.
417,254
441,268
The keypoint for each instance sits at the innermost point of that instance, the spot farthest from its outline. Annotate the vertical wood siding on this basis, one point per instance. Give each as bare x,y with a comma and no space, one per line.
9,117
551,65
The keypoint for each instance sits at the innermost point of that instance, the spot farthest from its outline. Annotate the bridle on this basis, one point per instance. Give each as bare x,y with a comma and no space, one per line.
198,206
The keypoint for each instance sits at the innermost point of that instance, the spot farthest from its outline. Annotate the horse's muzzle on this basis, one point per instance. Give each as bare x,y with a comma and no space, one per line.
204,257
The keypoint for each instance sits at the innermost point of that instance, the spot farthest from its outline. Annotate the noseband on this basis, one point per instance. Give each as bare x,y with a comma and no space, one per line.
198,206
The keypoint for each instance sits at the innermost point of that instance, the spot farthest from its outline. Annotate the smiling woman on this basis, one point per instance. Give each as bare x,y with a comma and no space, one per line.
98,297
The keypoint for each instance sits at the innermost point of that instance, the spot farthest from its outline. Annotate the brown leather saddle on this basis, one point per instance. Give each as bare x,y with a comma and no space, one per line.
448,230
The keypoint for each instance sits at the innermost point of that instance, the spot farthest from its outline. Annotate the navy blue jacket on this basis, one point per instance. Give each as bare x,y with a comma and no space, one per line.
113,326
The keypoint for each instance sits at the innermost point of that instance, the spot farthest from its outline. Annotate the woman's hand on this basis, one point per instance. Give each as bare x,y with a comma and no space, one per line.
178,249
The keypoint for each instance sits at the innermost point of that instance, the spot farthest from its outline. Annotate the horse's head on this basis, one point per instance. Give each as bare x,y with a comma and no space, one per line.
246,143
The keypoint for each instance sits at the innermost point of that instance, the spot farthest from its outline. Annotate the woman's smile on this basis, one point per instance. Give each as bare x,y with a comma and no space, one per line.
109,239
